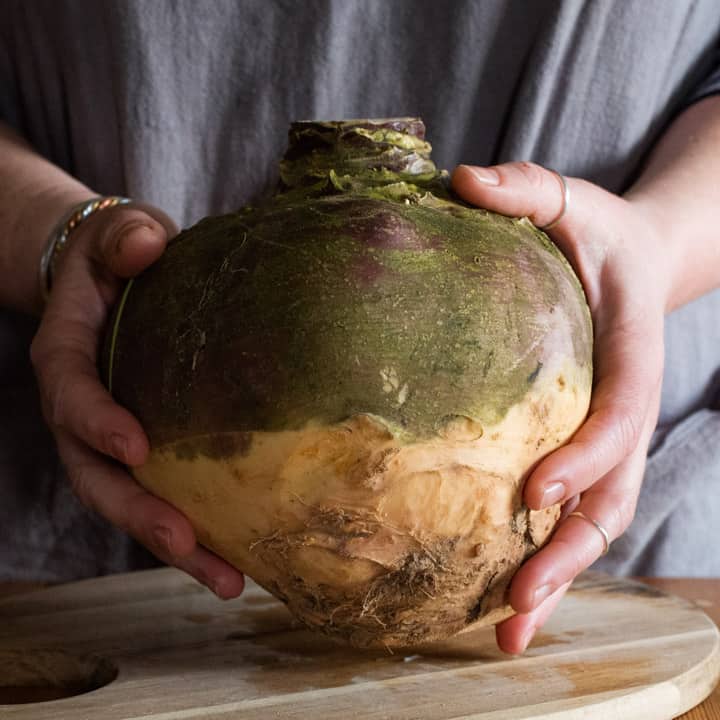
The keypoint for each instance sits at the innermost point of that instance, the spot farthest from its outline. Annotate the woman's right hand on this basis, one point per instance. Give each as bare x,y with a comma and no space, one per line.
96,438
626,269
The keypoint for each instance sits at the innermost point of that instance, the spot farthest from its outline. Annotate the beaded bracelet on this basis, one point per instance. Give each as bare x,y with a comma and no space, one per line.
61,232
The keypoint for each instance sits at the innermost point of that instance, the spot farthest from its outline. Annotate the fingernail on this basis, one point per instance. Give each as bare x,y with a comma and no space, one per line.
487,176
219,587
552,494
163,537
526,639
119,447
139,231
226,587
540,594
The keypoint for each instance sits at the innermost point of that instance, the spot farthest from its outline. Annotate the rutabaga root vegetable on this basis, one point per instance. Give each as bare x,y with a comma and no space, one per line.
346,386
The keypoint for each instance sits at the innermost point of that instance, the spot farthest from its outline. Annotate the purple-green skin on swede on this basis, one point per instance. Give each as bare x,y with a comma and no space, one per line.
346,386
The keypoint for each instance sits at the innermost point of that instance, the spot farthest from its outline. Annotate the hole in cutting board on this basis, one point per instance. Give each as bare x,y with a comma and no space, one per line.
42,675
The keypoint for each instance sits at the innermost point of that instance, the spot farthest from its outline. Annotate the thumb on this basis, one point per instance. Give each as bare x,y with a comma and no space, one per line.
130,238
518,189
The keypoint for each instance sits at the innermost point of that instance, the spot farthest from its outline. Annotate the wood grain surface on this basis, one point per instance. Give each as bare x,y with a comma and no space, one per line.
156,645
705,593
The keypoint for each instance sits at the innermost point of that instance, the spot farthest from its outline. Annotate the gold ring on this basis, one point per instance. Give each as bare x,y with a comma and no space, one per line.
565,201
603,531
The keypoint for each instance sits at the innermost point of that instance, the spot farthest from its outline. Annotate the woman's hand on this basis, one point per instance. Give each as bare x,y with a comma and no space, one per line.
618,254
96,437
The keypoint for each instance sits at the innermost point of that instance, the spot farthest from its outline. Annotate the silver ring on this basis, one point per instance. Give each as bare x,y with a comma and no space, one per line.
603,531
565,201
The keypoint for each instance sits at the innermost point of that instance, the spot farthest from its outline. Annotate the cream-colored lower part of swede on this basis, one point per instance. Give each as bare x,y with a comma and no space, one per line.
370,539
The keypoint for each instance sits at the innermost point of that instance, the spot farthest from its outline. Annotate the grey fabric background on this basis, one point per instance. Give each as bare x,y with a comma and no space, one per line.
186,104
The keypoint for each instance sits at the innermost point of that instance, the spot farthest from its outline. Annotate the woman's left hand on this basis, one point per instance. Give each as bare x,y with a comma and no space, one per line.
97,439
617,252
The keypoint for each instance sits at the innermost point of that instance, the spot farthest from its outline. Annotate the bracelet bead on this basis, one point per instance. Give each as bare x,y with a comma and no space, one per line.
58,239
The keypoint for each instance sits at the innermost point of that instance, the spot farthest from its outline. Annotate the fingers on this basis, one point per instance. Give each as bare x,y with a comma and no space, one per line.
628,379
611,249
514,634
212,571
568,507
129,238
110,491
63,354
542,581
519,189
577,543
523,189
116,242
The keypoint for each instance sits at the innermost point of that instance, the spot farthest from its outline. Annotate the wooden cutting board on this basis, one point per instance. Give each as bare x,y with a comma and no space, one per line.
157,646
